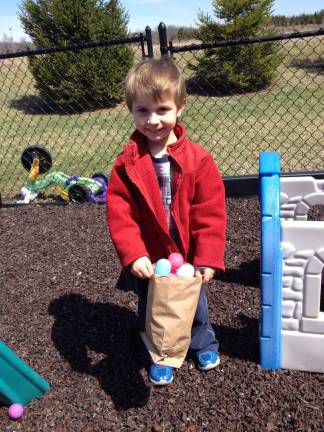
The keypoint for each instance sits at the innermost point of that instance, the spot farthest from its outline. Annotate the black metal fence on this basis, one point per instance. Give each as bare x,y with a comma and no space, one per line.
287,116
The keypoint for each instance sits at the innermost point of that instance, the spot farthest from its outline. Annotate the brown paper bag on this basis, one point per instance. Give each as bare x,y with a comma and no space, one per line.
171,306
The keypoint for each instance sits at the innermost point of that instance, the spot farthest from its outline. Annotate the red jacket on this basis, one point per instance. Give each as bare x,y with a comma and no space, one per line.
135,213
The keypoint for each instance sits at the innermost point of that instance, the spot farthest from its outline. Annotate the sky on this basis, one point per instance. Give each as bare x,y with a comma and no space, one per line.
152,12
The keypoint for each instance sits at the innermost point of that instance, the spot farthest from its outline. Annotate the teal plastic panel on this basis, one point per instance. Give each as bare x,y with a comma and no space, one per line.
19,383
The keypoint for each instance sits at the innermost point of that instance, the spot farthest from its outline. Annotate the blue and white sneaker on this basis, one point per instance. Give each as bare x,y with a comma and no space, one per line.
208,360
160,374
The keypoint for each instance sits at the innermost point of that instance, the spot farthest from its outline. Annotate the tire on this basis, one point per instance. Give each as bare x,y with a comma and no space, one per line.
79,193
33,152
101,176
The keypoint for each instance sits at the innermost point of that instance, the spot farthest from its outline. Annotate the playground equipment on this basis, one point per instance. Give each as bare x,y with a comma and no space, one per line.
38,161
19,383
292,263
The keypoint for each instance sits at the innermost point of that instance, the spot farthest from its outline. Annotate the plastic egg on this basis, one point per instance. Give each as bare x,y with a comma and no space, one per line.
176,261
15,411
186,270
162,267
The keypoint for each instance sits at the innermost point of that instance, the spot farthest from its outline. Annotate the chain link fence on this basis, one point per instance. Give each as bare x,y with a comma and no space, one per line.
287,116
235,126
82,140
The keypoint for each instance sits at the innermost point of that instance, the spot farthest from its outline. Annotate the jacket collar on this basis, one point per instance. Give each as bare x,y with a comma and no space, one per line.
136,148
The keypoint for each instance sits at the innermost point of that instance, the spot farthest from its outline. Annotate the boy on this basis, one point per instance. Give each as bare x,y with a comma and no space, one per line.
166,195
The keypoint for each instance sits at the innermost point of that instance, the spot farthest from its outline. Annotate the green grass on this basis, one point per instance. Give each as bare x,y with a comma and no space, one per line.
287,117
237,128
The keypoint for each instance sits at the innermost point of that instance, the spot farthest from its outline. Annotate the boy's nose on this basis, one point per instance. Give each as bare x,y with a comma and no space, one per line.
153,119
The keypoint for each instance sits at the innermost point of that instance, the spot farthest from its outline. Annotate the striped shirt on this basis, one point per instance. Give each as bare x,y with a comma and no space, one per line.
163,171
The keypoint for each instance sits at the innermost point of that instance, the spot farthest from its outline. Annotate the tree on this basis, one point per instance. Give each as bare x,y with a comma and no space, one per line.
185,33
240,67
180,34
86,78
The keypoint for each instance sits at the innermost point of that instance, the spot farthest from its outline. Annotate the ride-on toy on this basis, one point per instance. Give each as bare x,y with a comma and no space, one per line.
38,161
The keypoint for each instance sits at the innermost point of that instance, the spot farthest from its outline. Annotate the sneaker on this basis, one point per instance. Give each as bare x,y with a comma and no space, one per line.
208,360
160,374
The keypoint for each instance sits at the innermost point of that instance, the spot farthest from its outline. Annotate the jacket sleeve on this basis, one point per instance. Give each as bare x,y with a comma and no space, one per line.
208,216
123,218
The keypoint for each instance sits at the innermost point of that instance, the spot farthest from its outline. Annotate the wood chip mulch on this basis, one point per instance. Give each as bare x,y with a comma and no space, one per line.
61,313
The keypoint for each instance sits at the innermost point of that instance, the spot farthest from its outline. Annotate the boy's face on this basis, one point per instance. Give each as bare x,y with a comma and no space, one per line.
156,120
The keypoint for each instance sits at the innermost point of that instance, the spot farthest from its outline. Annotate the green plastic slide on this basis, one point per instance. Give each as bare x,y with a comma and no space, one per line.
19,383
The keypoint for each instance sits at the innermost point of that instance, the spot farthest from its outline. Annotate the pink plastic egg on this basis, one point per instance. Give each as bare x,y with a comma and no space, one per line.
176,261
15,411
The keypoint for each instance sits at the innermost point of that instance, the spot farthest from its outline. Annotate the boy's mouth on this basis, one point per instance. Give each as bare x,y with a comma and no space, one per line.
154,131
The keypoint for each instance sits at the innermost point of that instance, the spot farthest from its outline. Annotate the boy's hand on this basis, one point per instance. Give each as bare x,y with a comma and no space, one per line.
142,268
206,273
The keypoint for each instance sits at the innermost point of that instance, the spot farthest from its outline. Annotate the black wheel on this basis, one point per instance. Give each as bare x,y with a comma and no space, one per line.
36,152
101,176
79,193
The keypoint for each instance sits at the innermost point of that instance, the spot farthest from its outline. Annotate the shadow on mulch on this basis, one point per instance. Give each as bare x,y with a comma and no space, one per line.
240,343
100,340
247,274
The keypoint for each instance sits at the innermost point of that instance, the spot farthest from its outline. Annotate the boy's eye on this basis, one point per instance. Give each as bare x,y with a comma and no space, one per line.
163,109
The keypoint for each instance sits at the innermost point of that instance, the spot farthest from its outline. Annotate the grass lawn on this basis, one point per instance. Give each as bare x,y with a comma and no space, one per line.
287,117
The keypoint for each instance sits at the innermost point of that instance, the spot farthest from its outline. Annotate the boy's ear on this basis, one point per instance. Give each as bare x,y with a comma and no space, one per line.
182,107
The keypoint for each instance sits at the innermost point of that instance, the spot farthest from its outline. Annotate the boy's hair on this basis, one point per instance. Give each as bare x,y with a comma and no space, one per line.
154,78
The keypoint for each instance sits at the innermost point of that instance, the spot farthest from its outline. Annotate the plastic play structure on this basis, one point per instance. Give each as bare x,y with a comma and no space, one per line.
38,161
292,263
19,383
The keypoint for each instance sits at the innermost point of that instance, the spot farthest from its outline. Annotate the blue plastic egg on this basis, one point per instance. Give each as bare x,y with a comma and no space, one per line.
186,270
162,267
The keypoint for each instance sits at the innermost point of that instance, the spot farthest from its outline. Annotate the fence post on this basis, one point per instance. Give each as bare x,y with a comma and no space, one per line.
163,39
142,45
148,34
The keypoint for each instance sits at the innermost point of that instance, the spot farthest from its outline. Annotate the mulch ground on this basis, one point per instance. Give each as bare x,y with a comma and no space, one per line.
61,313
